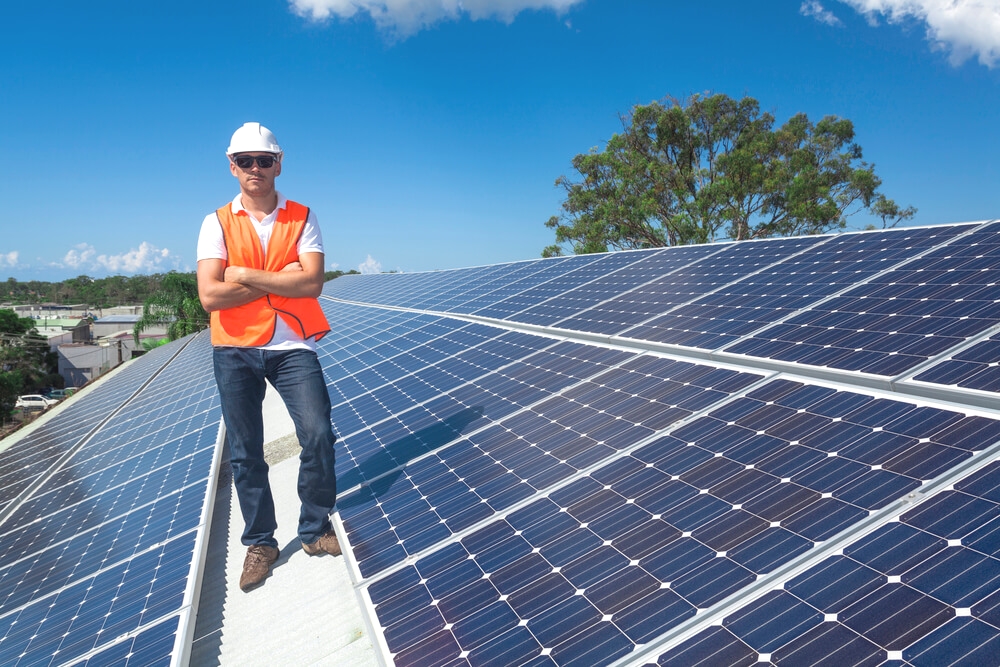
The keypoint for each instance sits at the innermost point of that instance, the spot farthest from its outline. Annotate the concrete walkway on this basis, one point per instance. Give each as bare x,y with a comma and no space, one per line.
306,612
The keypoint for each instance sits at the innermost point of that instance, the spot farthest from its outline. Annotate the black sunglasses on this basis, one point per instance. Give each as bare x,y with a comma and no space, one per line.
246,161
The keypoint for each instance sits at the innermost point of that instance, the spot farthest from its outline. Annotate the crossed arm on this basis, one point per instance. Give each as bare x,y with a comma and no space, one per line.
221,286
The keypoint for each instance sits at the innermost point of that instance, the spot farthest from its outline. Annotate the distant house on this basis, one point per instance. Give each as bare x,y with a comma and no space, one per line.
112,324
88,344
41,311
81,362
59,331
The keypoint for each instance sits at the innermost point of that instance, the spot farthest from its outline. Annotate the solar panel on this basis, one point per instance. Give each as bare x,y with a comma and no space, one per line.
22,467
900,317
724,316
573,275
922,589
587,520
974,368
687,273
102,555
459,283
613,558
571,424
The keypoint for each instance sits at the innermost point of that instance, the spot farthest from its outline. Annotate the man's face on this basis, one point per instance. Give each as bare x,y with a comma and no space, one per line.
255,180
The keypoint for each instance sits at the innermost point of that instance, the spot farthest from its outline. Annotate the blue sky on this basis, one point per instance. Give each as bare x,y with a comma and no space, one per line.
428,134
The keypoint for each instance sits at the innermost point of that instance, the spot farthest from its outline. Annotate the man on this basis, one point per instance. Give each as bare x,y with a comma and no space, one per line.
260,271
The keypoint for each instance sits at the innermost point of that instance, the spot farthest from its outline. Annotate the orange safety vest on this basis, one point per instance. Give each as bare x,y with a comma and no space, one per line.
252,324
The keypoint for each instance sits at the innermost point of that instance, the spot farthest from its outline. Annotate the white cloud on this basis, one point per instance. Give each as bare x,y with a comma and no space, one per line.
403,18
370,266
9,259
80,255
147,258
964,28
817,11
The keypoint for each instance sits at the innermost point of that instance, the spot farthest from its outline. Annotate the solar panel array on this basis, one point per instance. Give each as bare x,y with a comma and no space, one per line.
105,515
766,452
627,458
921,590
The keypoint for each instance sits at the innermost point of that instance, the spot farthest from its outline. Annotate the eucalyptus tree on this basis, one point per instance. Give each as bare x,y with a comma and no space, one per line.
713,168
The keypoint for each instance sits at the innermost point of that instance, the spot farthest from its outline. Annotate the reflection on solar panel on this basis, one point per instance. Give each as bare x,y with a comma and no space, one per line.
646,304
21,467
100,554
632,460
779,290
777,451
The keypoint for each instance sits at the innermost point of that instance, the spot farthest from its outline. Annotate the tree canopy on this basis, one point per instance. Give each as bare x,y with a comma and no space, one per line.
713,168
176,305
91,292
25,359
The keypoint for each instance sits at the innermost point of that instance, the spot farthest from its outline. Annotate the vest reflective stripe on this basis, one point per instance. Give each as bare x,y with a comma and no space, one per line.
252,324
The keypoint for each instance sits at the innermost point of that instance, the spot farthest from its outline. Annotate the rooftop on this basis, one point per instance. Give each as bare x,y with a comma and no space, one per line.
783,450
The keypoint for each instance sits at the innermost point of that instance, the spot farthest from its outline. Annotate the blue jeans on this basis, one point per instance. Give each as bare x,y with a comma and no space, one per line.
240,373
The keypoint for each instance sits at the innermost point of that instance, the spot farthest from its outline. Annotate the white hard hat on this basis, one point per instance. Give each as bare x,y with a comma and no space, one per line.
253,137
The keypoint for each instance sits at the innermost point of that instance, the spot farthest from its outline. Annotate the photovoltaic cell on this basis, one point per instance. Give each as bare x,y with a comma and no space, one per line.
101,555
977,367
543,304
558,434
921,591
153,647
519,278
614,558
459,290
405,289
526,512
725,316
591,294
515,296
22,466
384,423
689,273
466,294
900,317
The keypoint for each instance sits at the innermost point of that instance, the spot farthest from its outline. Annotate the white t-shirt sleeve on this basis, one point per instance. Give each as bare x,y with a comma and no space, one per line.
211,242
311,239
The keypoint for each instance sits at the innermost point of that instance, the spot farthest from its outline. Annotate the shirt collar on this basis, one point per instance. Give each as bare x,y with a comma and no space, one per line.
237,204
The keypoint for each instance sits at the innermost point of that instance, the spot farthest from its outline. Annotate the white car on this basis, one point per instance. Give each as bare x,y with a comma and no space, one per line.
34,402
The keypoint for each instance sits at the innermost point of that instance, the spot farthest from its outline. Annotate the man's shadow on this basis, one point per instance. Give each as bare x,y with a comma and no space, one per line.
379,472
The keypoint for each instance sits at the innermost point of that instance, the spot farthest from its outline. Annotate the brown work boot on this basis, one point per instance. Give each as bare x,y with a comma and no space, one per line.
257,565
326,544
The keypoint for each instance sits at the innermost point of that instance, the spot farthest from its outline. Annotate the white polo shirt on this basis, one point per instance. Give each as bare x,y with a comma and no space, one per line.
212,245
